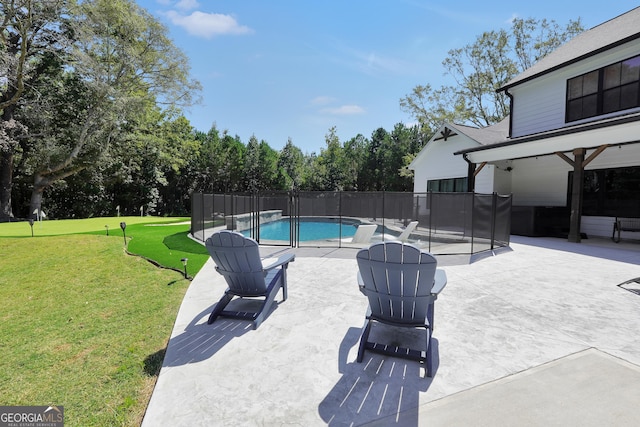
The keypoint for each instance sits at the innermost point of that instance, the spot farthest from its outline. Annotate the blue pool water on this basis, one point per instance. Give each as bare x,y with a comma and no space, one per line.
310,229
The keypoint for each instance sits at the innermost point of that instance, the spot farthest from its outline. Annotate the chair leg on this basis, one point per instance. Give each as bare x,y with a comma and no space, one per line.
268,300
429,361
226,298
430,312
363,341
284,283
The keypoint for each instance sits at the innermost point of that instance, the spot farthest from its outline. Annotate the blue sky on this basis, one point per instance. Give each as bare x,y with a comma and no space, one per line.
281,69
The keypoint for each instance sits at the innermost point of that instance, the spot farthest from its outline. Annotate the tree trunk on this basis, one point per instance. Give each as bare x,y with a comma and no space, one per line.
6,160
35,207
6,183
42,180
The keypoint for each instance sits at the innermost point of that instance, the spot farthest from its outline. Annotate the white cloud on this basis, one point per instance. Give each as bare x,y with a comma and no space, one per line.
180,4
372,62
322,100
344,110
188,4
207,25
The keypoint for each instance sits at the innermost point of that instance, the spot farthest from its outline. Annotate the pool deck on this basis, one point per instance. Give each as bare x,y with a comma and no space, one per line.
539,334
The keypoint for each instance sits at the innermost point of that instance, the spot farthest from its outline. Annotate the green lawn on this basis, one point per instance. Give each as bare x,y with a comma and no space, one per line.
162,240
167,245
84,324
75,226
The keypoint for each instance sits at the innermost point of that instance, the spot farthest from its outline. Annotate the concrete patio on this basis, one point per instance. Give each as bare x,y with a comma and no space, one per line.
537,335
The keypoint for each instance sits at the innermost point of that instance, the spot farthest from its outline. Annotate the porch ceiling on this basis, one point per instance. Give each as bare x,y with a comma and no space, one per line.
565,140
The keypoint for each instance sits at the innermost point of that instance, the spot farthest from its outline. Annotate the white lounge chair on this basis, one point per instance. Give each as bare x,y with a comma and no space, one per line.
364,233
406,233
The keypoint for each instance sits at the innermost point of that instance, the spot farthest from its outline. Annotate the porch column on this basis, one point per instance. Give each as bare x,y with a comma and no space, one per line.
471,177
576,195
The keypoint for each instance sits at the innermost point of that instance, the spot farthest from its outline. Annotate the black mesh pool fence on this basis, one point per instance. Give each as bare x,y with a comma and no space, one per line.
443,223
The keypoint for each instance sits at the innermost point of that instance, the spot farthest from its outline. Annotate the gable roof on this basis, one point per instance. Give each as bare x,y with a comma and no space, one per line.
492,134
489,135
607,35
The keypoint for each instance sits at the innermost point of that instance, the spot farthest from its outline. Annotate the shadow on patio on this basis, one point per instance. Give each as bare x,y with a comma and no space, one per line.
377,388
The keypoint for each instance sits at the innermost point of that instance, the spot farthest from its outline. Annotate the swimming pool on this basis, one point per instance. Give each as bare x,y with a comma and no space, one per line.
310,229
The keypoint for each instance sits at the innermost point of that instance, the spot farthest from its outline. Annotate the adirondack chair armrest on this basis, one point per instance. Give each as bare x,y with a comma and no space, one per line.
281,260
439,281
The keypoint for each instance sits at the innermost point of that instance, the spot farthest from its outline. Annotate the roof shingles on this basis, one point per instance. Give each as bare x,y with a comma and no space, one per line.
614,32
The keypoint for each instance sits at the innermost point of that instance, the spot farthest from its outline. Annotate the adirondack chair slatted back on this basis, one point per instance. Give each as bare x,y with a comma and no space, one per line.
397,280
237,258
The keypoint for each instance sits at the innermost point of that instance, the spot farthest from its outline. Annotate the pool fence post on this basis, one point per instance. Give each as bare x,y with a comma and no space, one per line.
340,218
430,210
494,201
473,210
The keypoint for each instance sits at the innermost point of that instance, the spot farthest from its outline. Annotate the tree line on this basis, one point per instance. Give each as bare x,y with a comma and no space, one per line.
157,172
91,121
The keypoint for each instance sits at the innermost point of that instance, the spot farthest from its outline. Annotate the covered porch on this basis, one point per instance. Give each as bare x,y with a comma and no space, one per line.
544,161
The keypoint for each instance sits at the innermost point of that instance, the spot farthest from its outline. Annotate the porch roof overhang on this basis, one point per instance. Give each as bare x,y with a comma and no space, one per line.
616,131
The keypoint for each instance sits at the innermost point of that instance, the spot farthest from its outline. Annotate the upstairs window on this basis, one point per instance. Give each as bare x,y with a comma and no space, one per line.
615,87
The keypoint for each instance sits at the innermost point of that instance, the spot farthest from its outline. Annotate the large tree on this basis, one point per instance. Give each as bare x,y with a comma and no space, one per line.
115,61
480,68
331,163
261,166
373,178
222,161
291,163
393,150
354,155
30,29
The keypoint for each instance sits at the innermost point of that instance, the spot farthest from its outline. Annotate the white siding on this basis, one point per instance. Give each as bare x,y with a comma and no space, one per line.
540,181
503,178
539,105
485,180
616,157
437,161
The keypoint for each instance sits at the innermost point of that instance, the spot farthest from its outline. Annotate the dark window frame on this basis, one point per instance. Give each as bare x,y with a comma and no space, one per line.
459,185
590,95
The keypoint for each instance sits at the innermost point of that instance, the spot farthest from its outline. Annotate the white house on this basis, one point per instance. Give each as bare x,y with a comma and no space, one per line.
574,124
438,168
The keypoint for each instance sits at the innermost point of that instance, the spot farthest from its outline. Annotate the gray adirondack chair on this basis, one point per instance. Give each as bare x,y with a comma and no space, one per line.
402,284
237,258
